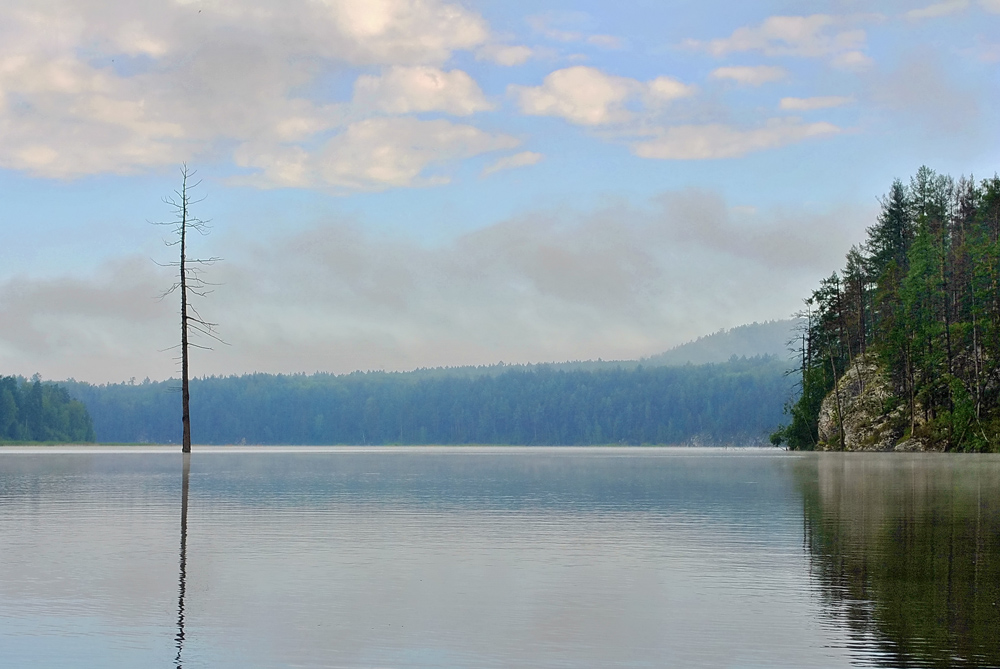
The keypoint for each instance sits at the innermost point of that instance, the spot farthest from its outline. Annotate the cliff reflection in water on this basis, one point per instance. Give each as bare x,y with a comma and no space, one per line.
907,552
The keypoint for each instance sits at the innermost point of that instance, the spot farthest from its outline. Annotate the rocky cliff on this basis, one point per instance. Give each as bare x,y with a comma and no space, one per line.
862,413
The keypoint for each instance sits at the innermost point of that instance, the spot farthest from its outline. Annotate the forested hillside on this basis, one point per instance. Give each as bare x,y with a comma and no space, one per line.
735,402
36,411
920,301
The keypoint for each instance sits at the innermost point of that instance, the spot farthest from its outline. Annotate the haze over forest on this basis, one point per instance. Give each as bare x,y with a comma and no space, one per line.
435,183
723,398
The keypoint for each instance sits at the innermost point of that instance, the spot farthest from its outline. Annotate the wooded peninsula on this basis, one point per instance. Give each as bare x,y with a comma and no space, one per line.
900,350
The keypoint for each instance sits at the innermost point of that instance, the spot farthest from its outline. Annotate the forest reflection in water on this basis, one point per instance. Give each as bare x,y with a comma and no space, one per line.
906,549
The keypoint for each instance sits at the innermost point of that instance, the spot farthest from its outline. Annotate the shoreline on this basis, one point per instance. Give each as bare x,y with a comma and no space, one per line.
358,448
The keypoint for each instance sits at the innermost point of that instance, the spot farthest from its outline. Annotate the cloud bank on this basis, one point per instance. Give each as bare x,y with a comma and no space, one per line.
833,38
715,141
619,283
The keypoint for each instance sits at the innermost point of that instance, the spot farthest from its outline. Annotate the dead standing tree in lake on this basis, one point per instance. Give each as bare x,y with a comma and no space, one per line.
189,283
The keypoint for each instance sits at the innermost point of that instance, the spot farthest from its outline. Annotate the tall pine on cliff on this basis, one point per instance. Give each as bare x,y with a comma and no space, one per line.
921,298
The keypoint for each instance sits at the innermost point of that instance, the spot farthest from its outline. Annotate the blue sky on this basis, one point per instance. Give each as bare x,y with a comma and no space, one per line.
404,183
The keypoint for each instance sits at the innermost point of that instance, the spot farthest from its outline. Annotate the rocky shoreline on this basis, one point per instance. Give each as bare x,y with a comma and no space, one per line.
862,413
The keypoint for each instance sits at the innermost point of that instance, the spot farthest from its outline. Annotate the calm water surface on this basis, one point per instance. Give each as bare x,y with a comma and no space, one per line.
498,557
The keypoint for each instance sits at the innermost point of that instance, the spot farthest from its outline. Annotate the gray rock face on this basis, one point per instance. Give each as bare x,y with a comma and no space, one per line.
910,445
863,394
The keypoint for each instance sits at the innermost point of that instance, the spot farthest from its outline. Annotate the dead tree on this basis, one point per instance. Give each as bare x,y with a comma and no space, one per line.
190,283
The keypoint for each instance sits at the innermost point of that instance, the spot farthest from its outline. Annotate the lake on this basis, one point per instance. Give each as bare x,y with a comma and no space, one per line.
497,557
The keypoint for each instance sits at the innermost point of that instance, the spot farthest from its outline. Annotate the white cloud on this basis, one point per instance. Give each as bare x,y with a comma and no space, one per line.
587,96
403,90
667,89
87,87
750,76
394,31
580,94
713,141
506,55
523,159
810,104
815,36
568,27
373,154
990,5
60,110
852,60
937,9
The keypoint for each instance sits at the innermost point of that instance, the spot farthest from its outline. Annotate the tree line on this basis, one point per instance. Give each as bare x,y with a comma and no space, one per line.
36,411
736,402
920,298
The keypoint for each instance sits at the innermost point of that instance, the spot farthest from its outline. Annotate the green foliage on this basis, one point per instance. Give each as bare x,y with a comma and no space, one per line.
802,432
36,411
921,296
737,401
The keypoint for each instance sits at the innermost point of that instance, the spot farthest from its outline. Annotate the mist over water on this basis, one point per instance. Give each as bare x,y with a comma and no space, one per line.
495,557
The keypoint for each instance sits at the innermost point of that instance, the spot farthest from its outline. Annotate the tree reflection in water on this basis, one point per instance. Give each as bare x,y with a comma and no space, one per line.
907,552
182,578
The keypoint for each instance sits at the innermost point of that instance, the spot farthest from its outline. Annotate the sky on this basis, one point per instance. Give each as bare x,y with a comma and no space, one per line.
395,184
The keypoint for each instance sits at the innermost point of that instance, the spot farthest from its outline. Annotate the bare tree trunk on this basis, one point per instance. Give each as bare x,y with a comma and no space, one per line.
910,381
840,409
975,356
805,352
185,393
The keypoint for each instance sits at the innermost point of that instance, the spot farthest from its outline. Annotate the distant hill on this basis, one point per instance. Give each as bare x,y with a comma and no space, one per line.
769,338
